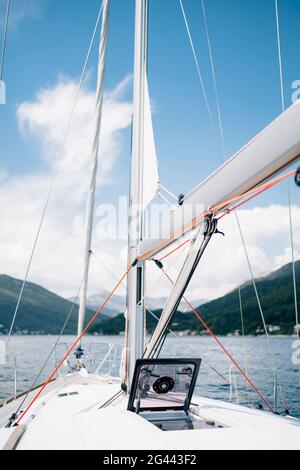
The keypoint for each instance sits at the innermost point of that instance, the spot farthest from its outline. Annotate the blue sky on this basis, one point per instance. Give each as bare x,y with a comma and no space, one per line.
48,39
53,38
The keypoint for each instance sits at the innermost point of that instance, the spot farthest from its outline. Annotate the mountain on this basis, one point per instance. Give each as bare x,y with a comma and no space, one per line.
41,311
116,304
158,303
223,315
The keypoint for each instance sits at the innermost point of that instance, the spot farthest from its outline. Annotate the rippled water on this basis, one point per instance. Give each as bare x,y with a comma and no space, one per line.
30,352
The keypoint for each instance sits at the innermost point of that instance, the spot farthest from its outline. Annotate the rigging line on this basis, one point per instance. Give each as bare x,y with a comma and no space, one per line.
293,264
247,398
275,371
213,69
221,128
71,310
4,38
174,262
90,323
222,132
175,249
160,194
112,399
288,185
243,329
156,281
185,310
54,176
241,308
197,66
248,380
275,368
115,277
168,192
280,56
183,249
101,263
234,209
214,210
173,333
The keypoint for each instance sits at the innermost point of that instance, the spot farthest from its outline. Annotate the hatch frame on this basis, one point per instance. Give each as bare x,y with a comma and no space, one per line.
140,363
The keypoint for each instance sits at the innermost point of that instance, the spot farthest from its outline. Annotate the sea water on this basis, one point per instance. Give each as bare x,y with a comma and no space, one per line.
27,355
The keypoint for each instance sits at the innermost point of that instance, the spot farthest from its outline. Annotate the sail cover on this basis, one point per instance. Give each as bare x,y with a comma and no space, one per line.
275,148
150,166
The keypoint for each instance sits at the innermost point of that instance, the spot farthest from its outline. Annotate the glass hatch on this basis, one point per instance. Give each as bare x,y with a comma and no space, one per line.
163,384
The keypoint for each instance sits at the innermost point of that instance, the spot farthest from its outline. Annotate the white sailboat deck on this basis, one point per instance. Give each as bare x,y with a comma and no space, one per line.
75,412
69,416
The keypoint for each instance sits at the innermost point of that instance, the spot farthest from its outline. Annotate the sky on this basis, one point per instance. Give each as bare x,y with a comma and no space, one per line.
47,44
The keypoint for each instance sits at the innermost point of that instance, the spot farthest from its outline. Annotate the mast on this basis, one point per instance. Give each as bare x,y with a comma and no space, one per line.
135,286
95,152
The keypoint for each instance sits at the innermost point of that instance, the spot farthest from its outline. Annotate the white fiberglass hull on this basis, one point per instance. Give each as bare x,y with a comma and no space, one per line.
69,417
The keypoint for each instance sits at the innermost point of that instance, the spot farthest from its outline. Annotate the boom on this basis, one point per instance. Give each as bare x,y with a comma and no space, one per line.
271,151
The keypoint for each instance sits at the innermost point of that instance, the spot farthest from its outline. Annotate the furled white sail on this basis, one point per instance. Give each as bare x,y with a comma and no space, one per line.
150,165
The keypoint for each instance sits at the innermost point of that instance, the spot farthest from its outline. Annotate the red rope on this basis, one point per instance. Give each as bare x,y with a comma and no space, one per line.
255,191
174,251
73,346
249,381
260,190
249,195
229,211
213,210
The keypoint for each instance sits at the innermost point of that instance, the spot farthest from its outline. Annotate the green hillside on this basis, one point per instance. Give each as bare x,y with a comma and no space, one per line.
223,315
40,311
43,312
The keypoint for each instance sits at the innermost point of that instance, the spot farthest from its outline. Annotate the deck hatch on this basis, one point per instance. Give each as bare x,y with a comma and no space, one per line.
163,385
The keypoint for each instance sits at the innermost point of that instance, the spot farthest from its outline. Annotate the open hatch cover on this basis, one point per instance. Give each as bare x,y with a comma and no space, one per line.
163,384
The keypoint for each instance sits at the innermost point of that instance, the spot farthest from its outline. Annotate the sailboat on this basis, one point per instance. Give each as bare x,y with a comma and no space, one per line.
154,405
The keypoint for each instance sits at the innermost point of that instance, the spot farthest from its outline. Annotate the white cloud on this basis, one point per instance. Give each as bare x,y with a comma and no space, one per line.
3,175
47,118
267,236
224,265
58,261
22,10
